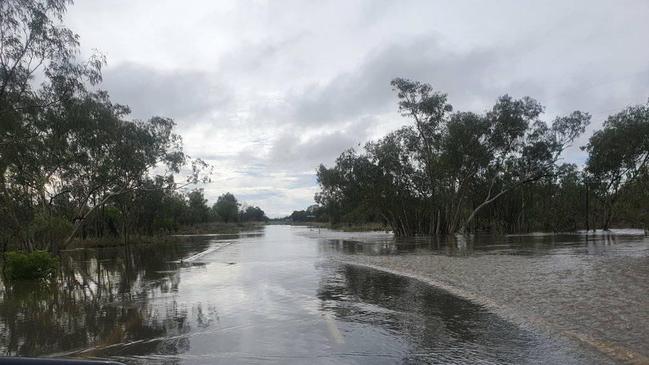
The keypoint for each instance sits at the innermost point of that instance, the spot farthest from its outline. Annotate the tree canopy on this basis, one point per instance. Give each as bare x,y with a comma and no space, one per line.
448,168
72,162
226,208
619,155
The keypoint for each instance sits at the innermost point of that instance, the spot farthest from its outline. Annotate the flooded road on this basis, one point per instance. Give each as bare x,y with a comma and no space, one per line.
279,295
590,288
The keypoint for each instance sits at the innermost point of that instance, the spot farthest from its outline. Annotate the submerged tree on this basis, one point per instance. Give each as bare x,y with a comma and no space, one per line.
619,155
438,174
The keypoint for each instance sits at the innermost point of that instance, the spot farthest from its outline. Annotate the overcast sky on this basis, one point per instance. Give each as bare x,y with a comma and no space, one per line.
267,90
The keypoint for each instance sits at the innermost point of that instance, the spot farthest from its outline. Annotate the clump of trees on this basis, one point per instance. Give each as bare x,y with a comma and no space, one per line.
154,211
227,209
617,162
67,152
72,162
252,214
453,171
313,213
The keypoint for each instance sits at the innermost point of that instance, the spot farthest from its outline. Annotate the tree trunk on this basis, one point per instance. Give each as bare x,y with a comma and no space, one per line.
79,221
487,201
607,217
587,209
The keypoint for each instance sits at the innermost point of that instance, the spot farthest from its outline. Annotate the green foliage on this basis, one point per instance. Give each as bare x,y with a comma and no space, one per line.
46,229
618,155
252,214
30,266
317,213
69,156
226,208
451,171
198,210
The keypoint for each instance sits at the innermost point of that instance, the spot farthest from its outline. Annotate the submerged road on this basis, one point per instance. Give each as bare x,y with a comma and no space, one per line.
591,288
280,295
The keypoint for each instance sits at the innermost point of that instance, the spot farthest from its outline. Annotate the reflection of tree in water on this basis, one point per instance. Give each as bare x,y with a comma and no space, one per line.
432,319
101,298
450,245
472,245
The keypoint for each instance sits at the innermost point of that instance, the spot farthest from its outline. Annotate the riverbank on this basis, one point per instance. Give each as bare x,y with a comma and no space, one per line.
598,299
175,237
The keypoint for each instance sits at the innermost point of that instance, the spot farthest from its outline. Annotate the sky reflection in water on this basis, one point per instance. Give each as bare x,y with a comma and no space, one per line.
270,296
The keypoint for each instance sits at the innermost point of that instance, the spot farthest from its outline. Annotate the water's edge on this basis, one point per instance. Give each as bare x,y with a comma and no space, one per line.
615,352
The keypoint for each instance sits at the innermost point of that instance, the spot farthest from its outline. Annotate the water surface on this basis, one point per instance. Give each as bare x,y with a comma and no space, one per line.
272,296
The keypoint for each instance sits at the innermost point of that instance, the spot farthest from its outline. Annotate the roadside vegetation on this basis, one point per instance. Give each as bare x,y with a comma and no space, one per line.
74,166
500,171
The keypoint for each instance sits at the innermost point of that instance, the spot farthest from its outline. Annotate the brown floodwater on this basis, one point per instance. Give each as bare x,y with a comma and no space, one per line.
277,295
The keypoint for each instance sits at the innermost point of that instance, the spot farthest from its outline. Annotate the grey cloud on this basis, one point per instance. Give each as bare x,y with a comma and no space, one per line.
289,152
605,97
263,56
302,181
179,94
472,79
601,99
251,198
367,90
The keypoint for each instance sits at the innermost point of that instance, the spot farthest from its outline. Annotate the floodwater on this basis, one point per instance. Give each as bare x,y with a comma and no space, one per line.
277,295
618,242
589,287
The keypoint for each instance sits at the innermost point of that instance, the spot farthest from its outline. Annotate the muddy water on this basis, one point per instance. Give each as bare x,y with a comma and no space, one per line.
591,288
279,295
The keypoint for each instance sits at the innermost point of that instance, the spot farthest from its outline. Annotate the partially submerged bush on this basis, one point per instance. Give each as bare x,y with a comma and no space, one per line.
34,265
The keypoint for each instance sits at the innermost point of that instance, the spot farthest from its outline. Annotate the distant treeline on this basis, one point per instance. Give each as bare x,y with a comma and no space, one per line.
72,163
314,213
226,209
500,171
158,211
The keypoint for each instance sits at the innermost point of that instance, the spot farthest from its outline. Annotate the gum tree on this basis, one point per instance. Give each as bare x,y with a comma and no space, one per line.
65,148
477,158
618,156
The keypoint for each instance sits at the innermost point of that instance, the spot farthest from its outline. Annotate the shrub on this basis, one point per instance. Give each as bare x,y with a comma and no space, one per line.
34,265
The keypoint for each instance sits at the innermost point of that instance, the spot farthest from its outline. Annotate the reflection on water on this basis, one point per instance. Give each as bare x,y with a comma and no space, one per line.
268,296
435,326
578,243
101,297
